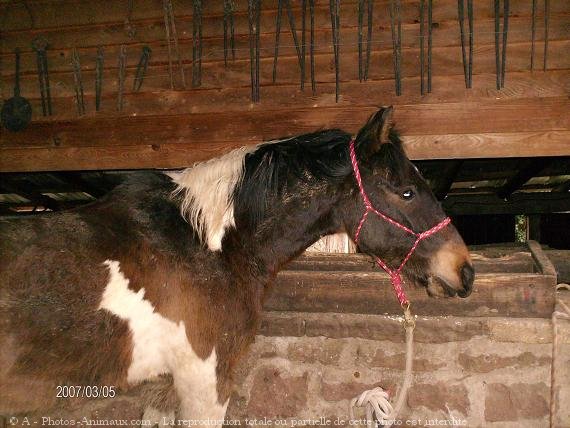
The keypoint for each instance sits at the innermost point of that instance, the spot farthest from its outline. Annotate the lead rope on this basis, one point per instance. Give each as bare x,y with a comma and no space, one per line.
376,401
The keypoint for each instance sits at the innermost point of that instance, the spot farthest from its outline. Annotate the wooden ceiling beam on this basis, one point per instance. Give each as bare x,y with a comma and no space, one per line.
530,169
166,155
440,131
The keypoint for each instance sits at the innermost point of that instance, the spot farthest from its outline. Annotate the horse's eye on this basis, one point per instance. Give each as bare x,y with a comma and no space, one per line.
408,194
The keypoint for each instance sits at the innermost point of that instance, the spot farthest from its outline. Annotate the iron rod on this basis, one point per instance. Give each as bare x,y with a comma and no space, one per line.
461,17
430,38
197,43
546,30
312,47
303,41
257,49
229,42
471,41
369,38
77,82
396,26
122,71
360,40
533,35
422,60
497,41
40,45
98,77
505,33
277,34
168,41
142,67
294,33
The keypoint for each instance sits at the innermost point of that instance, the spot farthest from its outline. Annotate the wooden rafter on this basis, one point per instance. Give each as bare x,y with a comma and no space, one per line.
77,182
28,192
531,168
443,183
562,188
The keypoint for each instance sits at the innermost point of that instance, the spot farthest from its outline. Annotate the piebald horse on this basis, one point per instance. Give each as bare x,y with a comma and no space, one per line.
166,275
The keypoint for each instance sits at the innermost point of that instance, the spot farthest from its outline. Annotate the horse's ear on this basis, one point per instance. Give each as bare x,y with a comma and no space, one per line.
386,123
377,130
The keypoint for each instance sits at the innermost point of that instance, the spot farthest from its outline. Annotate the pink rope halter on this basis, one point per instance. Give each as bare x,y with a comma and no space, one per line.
395,274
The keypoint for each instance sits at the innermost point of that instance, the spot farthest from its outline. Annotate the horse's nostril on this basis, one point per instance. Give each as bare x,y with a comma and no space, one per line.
467,278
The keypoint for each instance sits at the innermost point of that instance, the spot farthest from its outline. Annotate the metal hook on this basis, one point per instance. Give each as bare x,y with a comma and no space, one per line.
40,45
197,43
78,83
142,67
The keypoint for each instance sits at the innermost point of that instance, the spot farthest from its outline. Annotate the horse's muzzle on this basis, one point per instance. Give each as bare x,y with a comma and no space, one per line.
467,278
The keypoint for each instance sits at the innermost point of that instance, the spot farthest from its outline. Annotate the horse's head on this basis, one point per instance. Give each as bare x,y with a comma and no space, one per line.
396,188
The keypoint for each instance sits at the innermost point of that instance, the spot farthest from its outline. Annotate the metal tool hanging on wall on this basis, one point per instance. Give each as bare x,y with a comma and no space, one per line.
364,64
229,29
254,19
130,29
16,112
533,33
40,45
501,51
98,78
303,42
121,77
77,82
172,38
293,29
429,45
396,27
546,35
467,65
312,46
335,24
197,43
142,67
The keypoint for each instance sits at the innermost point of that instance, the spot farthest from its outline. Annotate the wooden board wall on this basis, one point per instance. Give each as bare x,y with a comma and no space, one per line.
162,128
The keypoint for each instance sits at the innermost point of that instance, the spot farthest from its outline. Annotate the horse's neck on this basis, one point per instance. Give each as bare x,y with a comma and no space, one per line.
286,234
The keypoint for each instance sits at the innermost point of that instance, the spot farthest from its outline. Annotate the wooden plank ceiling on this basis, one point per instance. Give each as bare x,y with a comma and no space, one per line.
164,128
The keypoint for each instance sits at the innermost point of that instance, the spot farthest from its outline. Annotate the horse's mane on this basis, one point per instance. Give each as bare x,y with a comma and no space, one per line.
321,155
242,182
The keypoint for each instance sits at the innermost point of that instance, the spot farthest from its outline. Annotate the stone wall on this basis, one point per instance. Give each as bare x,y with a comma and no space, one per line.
476,372
304,368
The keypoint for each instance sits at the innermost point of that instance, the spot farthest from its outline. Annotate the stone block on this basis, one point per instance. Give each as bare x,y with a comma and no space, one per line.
440,396
324,351
275,394
489,362
516,401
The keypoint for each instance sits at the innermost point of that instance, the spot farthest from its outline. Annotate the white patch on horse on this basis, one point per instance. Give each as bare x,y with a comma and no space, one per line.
161,346
206,190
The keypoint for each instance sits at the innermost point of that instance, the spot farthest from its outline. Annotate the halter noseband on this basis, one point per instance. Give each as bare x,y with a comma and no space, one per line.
395,274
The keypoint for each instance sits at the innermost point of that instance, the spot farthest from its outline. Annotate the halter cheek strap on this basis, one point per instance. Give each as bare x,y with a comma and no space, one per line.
395,274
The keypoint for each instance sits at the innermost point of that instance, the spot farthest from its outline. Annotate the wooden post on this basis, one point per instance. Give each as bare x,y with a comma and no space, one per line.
533,227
